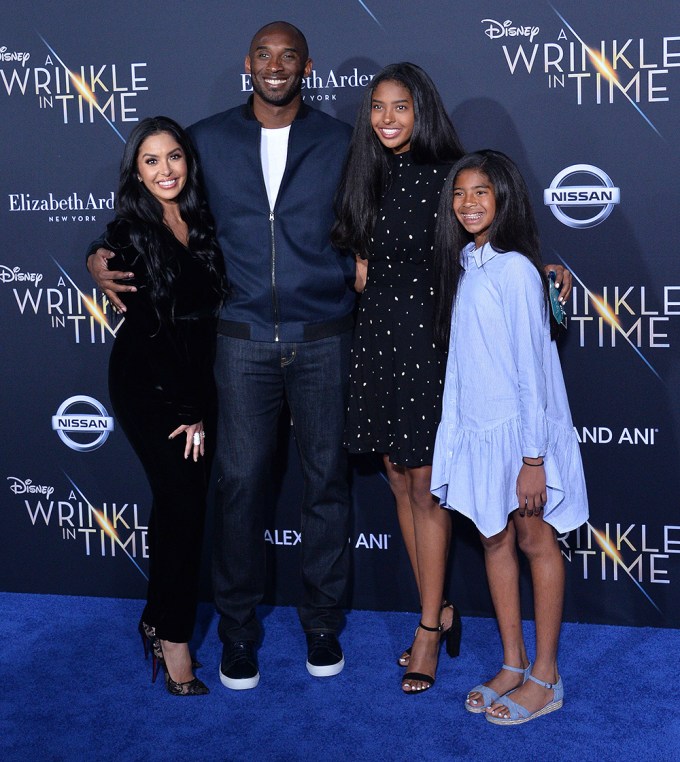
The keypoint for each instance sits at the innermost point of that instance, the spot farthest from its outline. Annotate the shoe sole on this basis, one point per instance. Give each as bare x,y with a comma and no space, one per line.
327,670
551,707
242,684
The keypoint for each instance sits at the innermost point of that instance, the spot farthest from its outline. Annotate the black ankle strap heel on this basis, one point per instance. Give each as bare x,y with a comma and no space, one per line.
431,629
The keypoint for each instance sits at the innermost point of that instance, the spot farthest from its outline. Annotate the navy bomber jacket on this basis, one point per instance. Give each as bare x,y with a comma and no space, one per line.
287,282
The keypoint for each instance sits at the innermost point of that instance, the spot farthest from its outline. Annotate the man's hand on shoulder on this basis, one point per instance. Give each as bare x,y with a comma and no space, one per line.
108,281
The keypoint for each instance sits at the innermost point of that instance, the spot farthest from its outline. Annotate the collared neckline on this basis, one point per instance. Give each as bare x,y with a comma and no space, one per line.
480,256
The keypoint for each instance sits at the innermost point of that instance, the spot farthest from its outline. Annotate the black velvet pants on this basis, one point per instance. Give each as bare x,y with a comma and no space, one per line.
178,488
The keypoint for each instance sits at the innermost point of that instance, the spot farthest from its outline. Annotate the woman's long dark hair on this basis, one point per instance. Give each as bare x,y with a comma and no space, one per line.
512,229
144,213
366,173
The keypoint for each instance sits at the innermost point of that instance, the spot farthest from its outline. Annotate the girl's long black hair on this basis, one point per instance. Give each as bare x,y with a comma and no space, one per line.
144,213
366,173
513,229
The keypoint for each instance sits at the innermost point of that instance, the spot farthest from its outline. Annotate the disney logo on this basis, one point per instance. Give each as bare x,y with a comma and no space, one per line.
12,274
20,487
505,28
9,55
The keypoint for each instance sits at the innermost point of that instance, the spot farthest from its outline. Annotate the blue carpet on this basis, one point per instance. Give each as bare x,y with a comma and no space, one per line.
74,686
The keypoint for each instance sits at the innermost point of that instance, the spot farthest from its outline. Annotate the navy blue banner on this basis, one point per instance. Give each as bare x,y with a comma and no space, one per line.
585,97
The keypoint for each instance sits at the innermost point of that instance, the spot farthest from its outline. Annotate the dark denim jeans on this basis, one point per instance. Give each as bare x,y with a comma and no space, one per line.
252,380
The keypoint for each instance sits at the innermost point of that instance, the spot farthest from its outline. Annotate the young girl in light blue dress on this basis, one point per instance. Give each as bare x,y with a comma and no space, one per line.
506,454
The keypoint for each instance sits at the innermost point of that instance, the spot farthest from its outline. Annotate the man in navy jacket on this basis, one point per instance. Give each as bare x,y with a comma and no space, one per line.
271,168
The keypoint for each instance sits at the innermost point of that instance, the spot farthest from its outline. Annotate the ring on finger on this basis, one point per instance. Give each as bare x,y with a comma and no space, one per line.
196,439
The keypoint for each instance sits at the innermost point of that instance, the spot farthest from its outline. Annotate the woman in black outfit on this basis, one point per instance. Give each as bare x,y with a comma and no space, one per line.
160,370
402,150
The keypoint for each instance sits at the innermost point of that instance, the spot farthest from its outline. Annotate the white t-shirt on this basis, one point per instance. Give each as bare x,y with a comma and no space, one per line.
273,154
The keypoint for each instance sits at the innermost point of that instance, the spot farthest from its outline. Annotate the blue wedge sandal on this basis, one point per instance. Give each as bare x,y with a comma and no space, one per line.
489,695
519,714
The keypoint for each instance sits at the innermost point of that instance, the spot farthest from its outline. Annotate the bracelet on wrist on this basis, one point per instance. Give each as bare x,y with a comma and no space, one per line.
524,460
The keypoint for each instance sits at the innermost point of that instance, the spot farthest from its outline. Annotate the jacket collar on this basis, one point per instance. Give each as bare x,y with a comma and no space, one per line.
249,114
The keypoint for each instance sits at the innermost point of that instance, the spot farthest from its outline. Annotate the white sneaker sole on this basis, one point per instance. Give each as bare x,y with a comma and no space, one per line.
244,684
326,671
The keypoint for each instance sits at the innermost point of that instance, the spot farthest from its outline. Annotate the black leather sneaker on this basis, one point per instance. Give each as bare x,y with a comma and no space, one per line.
324,655
238,669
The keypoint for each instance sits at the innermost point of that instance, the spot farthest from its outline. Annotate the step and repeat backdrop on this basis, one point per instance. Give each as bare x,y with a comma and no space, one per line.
584,96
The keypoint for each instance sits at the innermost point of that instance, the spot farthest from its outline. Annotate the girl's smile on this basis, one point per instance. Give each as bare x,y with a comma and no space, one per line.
392,116
474,203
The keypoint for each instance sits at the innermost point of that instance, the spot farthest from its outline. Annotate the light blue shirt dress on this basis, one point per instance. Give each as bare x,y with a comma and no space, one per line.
504,398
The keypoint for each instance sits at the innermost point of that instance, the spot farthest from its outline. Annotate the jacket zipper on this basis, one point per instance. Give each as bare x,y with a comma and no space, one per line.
275,304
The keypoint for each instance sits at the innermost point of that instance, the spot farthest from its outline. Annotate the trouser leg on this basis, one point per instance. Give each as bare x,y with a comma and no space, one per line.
316,378
250,393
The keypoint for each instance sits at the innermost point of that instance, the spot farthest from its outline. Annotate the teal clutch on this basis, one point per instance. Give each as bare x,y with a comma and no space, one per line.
554,293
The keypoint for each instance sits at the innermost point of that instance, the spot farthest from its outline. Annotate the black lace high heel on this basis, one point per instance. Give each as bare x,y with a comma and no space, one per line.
193,687
452,636
151,643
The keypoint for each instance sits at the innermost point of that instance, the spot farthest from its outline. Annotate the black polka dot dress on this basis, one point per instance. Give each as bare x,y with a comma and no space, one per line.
397,373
